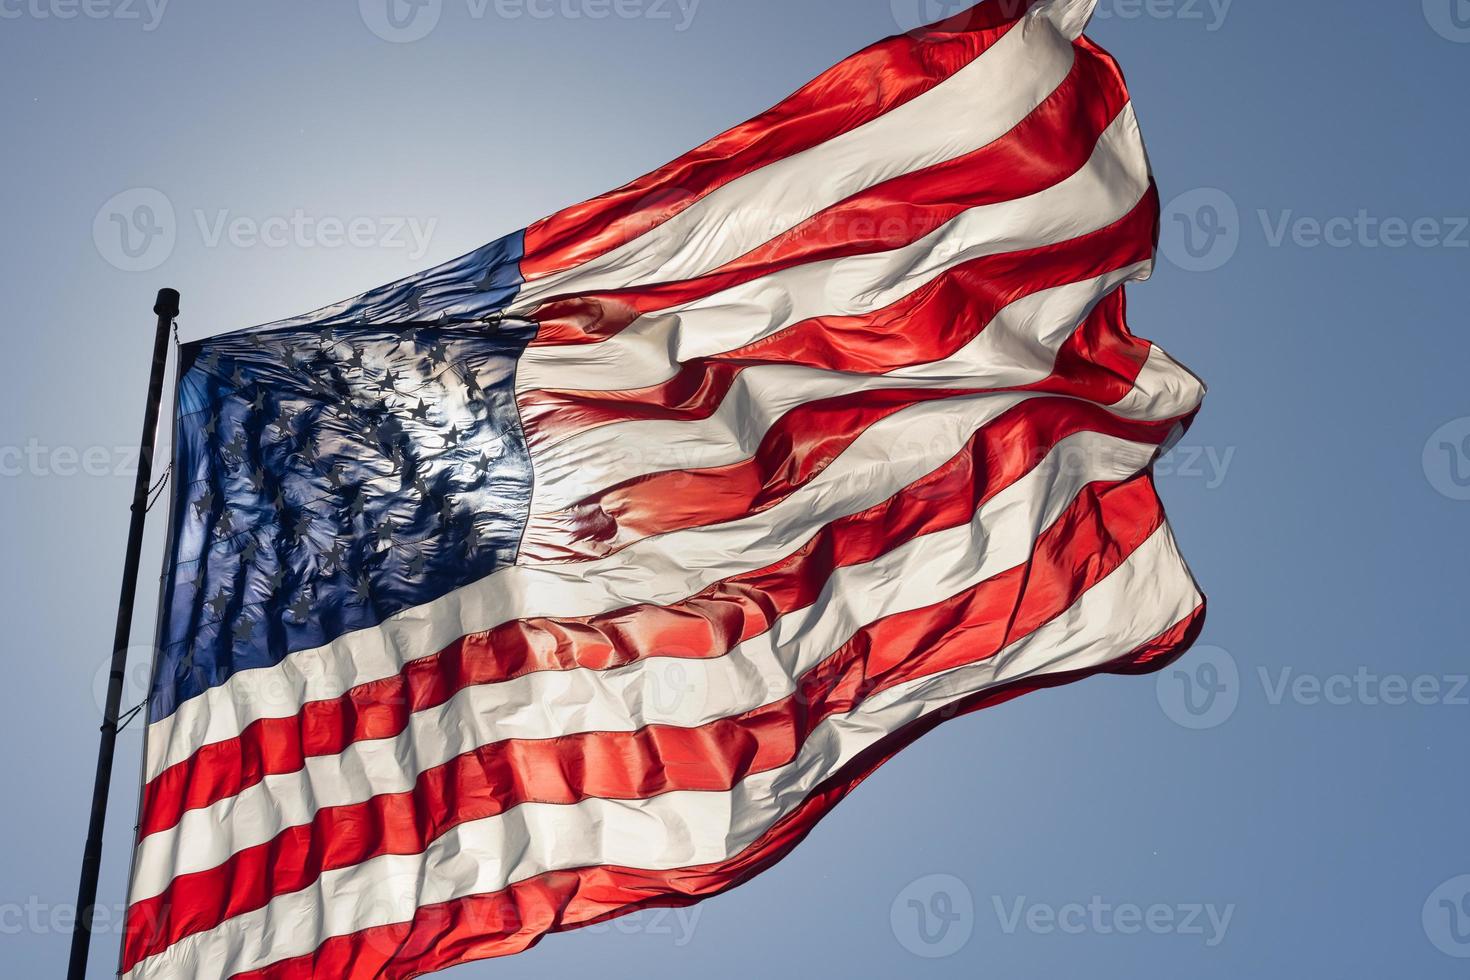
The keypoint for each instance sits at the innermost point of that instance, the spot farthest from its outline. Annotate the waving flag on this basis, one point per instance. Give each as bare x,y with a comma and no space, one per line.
587,572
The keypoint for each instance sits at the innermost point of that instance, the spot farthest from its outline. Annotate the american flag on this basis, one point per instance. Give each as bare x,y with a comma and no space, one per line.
587,572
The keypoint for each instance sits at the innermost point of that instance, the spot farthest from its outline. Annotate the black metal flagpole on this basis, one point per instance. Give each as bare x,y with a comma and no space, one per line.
167,309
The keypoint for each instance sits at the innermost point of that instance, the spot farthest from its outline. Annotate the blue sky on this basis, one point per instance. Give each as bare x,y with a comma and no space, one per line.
1289,800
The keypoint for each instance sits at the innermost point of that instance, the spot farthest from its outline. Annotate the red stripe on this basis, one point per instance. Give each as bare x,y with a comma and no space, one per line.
1054,142
1050,145
798,448
516,918
850,94
930,324
705,625
1095,535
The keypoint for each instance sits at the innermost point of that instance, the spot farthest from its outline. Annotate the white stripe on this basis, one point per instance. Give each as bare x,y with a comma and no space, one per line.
660,690
1151,592
1018,347
651,350
973,107
1164,388
888,456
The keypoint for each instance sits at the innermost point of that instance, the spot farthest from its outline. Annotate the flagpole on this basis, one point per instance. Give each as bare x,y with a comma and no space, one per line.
166,308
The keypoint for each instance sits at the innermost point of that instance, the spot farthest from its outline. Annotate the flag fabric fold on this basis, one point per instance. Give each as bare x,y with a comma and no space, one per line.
587,572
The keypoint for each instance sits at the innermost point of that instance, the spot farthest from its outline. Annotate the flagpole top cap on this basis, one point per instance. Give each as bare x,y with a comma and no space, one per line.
167,303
